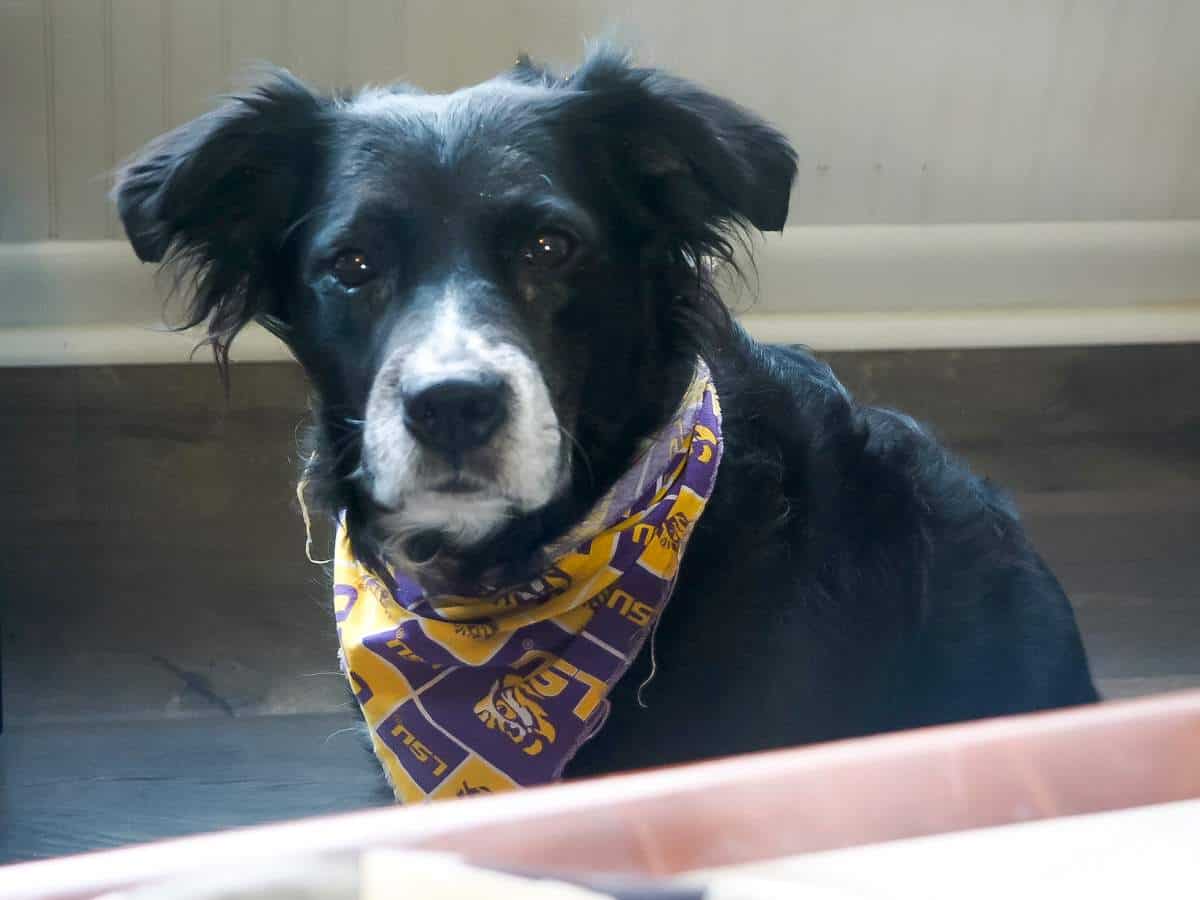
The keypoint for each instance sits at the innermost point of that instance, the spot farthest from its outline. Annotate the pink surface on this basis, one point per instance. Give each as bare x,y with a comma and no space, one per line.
731,811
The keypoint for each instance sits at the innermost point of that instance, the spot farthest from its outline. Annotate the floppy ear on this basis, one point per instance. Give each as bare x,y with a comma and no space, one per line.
216,196
699,157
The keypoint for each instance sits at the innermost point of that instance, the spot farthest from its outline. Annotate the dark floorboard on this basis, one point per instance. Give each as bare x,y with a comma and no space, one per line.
103,784
160,618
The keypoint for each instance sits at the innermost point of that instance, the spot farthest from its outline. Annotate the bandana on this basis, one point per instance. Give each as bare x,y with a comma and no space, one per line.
467,695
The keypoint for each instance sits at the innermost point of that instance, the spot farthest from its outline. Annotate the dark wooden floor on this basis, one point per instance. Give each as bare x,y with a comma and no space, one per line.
169,661
102,784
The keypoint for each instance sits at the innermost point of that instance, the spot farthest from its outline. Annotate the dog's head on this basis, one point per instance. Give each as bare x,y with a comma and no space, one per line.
486,288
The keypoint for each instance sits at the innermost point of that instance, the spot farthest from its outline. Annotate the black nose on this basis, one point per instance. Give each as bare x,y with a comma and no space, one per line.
456,415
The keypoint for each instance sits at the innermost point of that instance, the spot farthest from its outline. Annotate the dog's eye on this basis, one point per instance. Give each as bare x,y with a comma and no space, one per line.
351,268
548,250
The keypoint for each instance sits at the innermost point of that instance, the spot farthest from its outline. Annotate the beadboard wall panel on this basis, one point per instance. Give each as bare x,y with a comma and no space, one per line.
26,153
82,124
139,95
922,112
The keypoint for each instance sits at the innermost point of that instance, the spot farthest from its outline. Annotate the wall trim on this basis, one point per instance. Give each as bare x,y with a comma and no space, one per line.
1022,265
93,345
843,288
973,329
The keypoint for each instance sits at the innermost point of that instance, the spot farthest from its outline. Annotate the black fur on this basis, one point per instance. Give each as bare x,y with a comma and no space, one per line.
848,577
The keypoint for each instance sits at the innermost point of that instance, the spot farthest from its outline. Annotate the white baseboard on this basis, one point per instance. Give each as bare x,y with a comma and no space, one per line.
833,288
134,344
973,329
91,345
1063,265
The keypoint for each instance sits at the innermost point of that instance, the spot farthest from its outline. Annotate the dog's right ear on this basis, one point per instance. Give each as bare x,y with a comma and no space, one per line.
216,196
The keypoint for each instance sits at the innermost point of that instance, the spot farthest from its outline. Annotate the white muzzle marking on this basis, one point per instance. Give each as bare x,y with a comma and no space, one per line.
525,467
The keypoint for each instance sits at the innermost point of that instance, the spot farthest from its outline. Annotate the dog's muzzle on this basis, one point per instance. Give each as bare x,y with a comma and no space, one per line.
460,435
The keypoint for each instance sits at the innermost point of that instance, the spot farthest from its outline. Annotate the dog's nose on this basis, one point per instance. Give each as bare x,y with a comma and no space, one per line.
458,414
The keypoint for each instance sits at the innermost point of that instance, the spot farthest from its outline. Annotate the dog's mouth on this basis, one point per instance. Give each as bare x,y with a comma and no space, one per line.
458,532
423,548
459,484
460,574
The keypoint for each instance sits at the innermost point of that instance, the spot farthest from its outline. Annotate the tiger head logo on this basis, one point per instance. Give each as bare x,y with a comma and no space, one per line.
512,707
672,532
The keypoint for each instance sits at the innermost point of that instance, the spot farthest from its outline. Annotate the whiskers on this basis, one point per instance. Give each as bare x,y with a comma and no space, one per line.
343,433
320,468
344,437
587,463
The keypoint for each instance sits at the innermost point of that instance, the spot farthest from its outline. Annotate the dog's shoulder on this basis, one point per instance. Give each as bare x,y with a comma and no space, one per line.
861,438
865,480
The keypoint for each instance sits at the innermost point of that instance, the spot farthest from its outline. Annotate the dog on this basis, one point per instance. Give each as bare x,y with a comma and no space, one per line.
500,293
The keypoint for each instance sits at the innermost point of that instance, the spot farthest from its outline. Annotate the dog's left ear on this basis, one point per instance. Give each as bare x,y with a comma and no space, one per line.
697,156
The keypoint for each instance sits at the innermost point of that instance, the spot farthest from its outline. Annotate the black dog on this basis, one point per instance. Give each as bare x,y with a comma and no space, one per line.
499,292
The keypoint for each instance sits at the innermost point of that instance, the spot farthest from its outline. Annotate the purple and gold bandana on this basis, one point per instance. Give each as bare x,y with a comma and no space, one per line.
468,695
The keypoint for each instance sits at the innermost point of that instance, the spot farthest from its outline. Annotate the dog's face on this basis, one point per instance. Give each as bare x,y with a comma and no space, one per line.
485,288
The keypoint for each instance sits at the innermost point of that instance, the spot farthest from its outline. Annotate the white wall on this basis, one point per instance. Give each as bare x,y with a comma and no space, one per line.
934,122
904,111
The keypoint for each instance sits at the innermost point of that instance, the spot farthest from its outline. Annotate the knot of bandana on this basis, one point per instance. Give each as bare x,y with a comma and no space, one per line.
467,695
